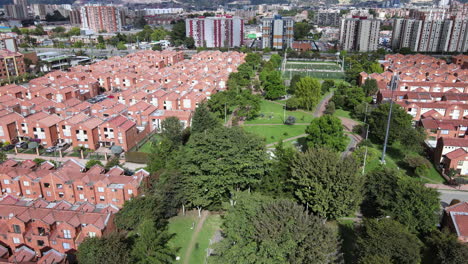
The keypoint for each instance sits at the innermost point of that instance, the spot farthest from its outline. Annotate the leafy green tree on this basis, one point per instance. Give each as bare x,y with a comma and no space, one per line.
327,85
330,108
78,44
259,230
189,43
375,67
443,247
172,129
273,85
159,34
301,30
74,31
276,182
3,156
121,46
293,84
161,153
370,87
385,239
276,59
92,162
59,29
388,193
100,46
16,30
178,33
400,123
151,245
110,249
308,92
140,22
220,161
136,210
330,186
326,131
39,30
203,119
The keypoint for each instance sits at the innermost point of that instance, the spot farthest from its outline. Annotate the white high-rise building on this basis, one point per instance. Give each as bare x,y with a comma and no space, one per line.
277,32
216,32
101,18
358,34
449,35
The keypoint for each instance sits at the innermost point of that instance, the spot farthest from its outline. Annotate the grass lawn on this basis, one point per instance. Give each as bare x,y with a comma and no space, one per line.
394,159
147,146
181,226
276,133
342,113
272,113
337,76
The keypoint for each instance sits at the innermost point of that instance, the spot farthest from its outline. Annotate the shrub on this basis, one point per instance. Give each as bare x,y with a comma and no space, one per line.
290,120
292,103
358,129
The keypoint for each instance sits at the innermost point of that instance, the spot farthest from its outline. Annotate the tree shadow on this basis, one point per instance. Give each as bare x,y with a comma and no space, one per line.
348,237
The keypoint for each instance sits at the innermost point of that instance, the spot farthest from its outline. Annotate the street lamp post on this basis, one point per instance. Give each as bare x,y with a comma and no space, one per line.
393,86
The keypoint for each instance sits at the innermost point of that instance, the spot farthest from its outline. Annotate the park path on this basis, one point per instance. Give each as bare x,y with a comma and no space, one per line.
195,236
271,145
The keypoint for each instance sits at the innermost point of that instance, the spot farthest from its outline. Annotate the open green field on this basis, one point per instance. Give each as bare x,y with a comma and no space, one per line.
313,66
272,113
394,159
181,226
275,133
319,75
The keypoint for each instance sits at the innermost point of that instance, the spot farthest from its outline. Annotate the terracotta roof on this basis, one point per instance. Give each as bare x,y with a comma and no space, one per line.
456,153
455,142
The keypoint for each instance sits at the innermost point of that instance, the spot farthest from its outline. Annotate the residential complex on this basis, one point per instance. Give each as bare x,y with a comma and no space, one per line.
327,17
359,34
11,64
456,219
101,18
277,32
33,229
448,35
216,32
435,94
140,91
15,11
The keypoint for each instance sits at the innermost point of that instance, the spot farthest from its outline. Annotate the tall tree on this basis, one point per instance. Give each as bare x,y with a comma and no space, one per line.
330,186
220,161
403,198
203,119
387,239
308,92
400,123
443,247
172,129
370,87
258,230
151,245
110,249
178,33
301,30
293,84
326,131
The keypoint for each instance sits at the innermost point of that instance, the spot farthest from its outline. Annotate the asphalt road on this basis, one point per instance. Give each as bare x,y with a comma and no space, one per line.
446,196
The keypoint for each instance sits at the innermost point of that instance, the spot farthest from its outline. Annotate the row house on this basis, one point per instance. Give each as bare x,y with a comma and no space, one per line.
452,153
455,218
40,225
445,110
71,182
121,131
25,254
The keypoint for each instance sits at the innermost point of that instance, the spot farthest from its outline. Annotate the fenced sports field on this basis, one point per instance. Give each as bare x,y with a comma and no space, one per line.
314,69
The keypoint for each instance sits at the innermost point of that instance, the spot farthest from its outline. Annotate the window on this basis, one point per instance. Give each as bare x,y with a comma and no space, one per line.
81,196
40,243
114,190
130,191
6,181
79,188
26,183
17,229
28,191
54,242
91,234
48,194
460,163
41,231
66,245
444,132
46,185
100,189
16,240
61,194
101,198
66,233
59,186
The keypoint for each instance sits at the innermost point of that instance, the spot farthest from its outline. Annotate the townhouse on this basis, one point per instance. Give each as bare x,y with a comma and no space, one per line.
456,219
140,91
71,182
37,226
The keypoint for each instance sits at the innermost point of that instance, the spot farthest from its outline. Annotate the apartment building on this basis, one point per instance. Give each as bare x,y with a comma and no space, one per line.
100,18
277,32
11,64
216,32
359,34
71,182
327,17
75,17
428,35
9,41
15,11
32,228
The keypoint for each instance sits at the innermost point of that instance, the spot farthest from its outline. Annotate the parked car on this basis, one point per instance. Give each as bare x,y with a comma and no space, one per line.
63,146
51,149
23,145
8,147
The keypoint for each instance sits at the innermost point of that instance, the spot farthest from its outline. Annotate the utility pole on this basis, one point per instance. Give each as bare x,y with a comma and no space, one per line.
393,86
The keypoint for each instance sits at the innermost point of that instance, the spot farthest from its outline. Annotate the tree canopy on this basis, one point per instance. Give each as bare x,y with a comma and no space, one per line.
110,249
260,230
400,123
203,119
308,92
326,131
330,186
